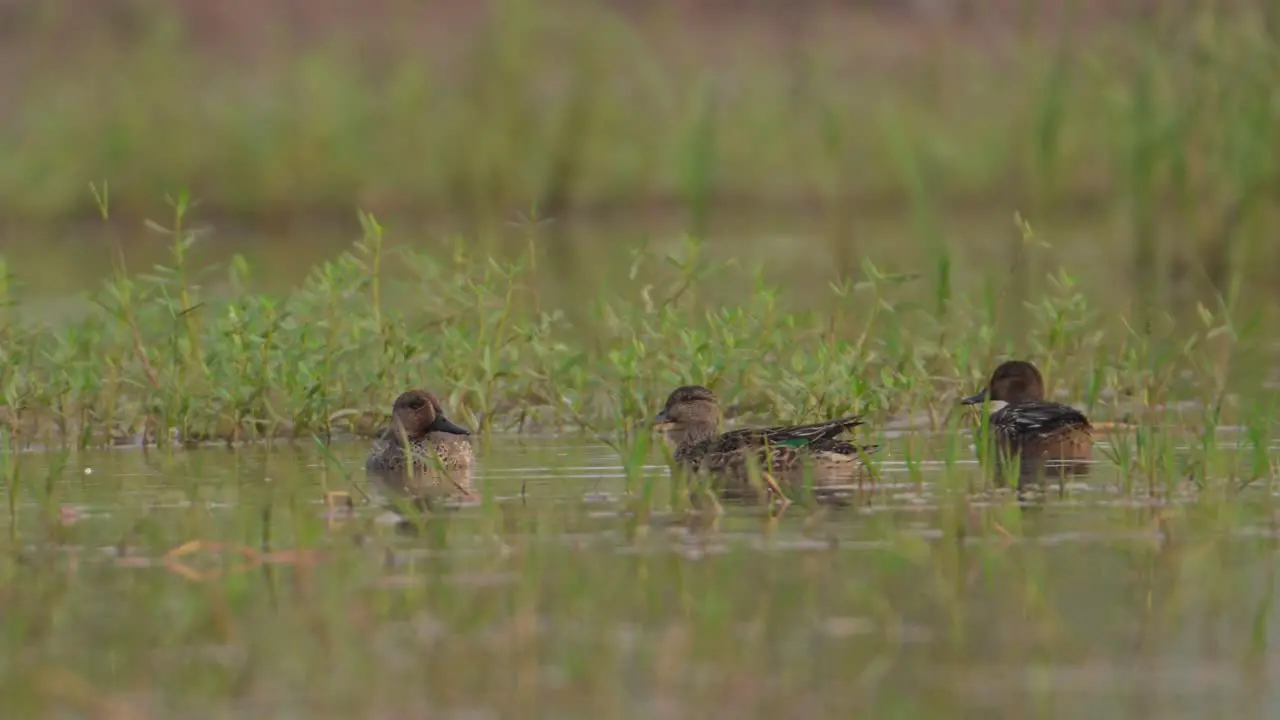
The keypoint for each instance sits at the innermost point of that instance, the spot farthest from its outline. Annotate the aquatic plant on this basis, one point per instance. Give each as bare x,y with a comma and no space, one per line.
168,356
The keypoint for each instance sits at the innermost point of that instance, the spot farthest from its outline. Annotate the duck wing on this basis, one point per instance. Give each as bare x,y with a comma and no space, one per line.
797,436
840,447
1038,418
814,436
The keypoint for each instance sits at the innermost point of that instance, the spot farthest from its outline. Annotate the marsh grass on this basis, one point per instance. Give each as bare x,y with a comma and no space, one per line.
162,360
1158,125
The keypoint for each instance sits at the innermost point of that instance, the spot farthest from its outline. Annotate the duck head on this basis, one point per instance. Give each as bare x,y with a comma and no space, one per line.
691,413
419,413
1014,381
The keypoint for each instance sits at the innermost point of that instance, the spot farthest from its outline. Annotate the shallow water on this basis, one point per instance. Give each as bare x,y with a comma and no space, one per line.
568,592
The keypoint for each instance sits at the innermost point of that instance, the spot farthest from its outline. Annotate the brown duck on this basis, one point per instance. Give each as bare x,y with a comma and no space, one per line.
692,418
1023,423
421,444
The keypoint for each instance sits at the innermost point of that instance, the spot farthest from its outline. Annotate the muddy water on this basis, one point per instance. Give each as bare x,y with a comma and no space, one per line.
215,582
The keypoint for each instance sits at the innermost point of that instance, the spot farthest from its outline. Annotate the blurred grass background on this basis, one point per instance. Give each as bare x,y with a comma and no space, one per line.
1140,133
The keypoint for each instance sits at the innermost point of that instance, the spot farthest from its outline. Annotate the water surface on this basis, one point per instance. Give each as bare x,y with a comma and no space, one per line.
212,582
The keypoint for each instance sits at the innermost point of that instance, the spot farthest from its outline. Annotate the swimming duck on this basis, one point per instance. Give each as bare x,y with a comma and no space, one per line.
691,420
1023,423
434,443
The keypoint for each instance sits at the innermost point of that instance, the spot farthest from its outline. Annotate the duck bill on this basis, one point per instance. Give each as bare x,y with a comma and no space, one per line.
975,399
662,420
444,425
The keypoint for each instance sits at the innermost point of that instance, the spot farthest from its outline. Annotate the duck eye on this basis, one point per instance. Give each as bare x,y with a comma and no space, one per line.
417,404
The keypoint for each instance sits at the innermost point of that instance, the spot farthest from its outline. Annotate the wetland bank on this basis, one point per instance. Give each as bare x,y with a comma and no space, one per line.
180,395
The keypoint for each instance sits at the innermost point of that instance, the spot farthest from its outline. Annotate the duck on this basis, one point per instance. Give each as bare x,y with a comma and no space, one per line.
435,444
691,420
1026,425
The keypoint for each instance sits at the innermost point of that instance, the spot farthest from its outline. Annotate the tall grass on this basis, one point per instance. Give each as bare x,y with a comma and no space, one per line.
1165,121
159,358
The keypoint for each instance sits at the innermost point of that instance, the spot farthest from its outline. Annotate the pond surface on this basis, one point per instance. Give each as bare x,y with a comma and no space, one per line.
216,583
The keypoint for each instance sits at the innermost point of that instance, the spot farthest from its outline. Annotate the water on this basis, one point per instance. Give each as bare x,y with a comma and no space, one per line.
57,264
214,582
